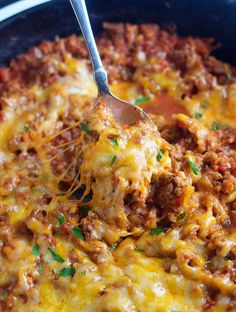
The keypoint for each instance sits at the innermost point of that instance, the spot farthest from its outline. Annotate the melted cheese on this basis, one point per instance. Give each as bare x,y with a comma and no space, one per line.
130,171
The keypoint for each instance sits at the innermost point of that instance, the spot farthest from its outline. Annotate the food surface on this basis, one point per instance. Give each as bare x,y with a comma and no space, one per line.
95,216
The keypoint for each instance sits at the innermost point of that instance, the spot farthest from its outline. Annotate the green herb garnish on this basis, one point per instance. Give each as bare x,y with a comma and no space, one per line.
193,167
198,115
217,126
35,250
78,233
182,216
60,219
142,100
40,267
138,249
84,127
83,273
26,128
84,210
55,256
160,155
113,246
115,142
113,159
158,230
67,272
204,104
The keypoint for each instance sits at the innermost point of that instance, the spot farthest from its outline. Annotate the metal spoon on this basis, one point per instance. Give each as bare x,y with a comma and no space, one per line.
123,112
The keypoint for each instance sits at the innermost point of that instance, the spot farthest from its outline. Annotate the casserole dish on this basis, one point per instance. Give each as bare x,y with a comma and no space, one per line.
97,216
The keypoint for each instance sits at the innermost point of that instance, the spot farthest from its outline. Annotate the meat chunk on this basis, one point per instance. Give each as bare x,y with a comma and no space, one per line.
167,196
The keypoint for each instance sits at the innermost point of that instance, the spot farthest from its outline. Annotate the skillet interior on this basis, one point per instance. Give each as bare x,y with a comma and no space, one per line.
52,33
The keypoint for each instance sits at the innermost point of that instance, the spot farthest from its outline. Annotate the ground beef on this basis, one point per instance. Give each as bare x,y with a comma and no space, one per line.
166,196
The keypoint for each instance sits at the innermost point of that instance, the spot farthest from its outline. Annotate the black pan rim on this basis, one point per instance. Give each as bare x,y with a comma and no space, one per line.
12,9
39,20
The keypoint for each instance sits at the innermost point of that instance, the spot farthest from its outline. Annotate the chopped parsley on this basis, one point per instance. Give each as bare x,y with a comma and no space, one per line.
113,159
198,115
138,249
35,250
142,100
84,210
83,273
160,155
60,219
174,310
77,232
115,142
113,246
55,256
67,272
182,216
84,127
158,230
204,104
217,126
193,167
40,267
26,128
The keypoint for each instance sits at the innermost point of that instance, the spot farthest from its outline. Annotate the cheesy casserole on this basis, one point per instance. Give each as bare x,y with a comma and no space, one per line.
95,216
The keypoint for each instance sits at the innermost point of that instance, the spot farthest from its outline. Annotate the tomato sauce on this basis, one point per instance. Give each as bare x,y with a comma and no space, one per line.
163,104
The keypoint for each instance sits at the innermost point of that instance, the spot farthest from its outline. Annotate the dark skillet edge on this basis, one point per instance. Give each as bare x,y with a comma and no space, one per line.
201,18
28,28
4,3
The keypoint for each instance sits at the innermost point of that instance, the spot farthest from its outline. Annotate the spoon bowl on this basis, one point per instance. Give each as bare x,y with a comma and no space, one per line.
124,112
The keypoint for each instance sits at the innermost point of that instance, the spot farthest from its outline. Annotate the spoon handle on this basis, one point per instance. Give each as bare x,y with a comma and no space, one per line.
100,74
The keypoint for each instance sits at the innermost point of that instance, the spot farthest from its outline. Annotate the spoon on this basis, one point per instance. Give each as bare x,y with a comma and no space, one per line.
123,112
